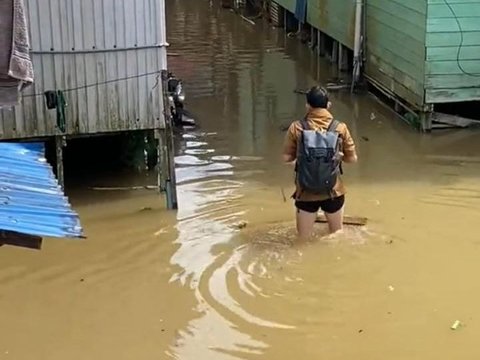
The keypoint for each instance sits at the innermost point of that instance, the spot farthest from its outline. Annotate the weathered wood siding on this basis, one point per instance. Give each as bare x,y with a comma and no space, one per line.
79,46
287,4
335,18
449,79
396,31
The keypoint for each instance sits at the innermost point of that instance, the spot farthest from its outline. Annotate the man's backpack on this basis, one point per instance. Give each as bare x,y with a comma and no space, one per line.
318,158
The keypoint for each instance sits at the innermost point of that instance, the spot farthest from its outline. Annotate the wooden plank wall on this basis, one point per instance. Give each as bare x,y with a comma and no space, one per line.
396,46
335,18
449,79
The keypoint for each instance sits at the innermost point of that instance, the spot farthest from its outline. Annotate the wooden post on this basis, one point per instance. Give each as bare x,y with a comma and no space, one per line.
334,58
426,121
161,159
313,38
170,181
60,143
342,57
321,44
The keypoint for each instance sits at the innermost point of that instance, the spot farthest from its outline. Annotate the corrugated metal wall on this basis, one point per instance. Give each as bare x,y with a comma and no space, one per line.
395,32
89,43
449,79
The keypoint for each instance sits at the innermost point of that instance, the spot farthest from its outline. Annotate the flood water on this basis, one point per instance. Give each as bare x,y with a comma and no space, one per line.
153,284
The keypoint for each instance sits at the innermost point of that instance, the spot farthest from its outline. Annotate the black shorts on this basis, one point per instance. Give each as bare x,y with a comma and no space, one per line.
329,206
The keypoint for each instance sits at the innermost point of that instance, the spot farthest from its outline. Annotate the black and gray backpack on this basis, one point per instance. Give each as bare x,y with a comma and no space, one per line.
318,158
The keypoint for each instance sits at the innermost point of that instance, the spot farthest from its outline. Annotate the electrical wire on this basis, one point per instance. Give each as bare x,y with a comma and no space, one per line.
101,83
459,64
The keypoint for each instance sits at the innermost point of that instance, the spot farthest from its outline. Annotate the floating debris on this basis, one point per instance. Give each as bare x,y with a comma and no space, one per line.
455,325
247,20
240,225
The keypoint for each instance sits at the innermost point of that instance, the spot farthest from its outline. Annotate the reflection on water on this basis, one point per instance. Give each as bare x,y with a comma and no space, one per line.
195,285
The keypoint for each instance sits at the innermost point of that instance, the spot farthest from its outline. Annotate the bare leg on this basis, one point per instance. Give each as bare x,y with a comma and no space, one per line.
335,221
305,223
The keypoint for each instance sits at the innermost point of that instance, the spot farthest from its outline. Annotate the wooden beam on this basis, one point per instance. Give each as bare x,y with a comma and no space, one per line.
453,120
347,220
20,240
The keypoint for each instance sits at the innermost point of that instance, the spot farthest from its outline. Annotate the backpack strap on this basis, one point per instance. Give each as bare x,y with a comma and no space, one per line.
304,123
333,125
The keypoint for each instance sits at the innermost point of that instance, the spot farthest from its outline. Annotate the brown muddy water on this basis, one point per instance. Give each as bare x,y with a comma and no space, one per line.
152,284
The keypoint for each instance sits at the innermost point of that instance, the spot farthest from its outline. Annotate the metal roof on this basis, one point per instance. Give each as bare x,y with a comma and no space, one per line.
31,200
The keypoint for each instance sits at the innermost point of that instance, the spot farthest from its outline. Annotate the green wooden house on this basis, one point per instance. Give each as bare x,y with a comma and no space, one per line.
423,52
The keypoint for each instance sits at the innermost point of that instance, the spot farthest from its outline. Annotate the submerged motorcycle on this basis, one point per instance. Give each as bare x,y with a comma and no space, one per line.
176,99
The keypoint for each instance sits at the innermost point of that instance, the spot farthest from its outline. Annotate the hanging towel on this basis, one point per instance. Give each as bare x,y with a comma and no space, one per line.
16,68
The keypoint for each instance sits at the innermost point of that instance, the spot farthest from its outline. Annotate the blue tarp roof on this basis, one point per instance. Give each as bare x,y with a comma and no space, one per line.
31,200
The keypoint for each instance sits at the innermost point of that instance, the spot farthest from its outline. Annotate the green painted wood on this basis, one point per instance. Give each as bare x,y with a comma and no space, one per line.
451,52
335,18
461,10
415,5
409,81
396,31
396,87
448,25
412,26
451,2
452,81
452,39
401,64
452,67
450,75
287,4
433,96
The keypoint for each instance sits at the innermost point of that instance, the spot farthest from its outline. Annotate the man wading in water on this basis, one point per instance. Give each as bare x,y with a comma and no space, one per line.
317,145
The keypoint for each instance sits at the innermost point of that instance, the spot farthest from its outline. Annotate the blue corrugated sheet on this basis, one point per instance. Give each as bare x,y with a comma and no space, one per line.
31,200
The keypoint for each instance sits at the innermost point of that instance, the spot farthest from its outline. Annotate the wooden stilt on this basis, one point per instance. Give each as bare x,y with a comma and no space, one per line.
334,58
313,38
342,57
161,159
426,121
60,143
170,181
322,51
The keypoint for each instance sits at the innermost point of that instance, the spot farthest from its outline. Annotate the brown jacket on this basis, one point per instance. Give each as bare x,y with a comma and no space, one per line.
318,119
